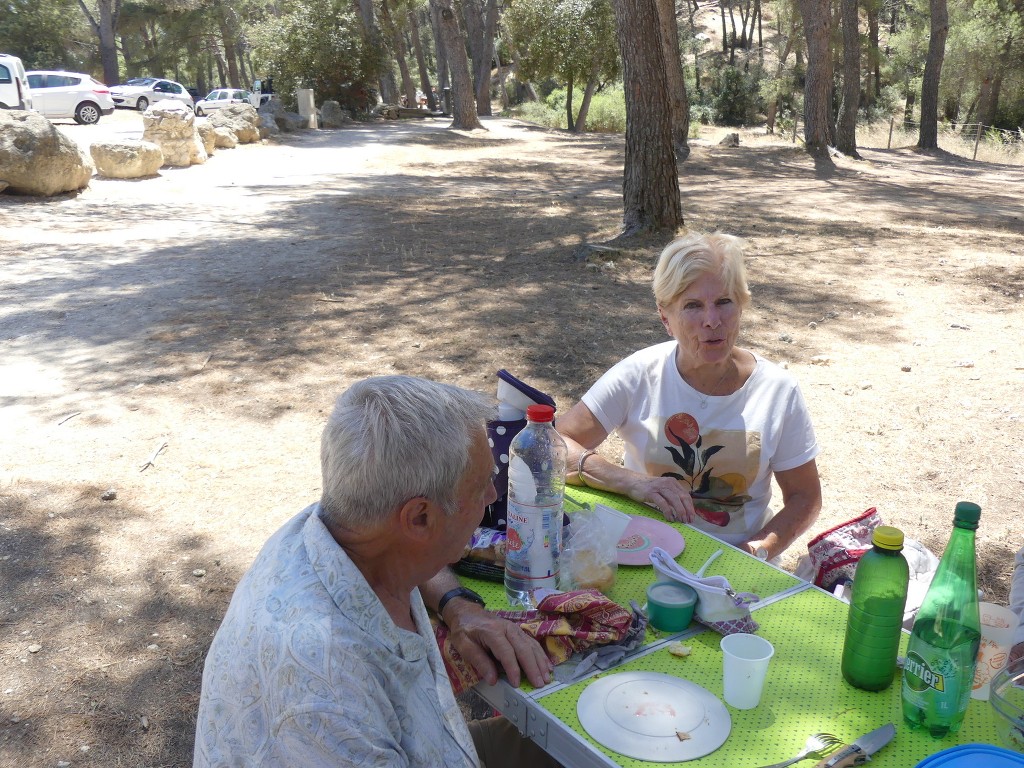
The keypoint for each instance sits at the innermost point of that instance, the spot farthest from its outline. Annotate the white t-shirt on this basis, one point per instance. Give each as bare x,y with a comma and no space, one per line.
724,448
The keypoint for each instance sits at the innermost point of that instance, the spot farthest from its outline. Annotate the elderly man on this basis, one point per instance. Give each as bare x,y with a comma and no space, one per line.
326,655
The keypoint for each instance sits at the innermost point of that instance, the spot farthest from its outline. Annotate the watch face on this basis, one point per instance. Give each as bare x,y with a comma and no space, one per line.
761,553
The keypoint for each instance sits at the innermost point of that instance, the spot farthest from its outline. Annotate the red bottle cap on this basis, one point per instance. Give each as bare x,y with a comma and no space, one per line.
541,413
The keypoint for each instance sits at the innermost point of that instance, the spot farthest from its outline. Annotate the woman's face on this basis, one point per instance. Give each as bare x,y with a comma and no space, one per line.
704,319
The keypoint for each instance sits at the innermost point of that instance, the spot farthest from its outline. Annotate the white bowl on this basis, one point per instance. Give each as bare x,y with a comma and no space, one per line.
1007,698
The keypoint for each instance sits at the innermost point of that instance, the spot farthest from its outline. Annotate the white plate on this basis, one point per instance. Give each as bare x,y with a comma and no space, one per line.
642,714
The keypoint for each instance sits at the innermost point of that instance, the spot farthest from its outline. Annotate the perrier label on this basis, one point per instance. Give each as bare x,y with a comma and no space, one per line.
920,676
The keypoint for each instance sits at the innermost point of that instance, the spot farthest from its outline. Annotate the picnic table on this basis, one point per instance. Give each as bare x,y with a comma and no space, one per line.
804,693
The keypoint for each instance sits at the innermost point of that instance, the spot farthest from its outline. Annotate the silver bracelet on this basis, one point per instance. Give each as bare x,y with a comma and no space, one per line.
579,466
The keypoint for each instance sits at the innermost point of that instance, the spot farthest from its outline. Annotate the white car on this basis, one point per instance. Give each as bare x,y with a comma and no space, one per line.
14,90
222,97
139,92
70,94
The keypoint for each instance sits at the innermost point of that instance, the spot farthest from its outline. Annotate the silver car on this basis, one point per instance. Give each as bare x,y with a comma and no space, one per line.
139,92
70,94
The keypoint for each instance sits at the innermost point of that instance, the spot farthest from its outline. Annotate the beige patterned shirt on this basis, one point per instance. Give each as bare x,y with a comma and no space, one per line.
308,669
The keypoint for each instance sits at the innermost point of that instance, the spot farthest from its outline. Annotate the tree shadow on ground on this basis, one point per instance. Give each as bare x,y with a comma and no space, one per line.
102,655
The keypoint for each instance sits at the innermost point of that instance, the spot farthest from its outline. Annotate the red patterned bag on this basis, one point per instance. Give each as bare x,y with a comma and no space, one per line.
835,553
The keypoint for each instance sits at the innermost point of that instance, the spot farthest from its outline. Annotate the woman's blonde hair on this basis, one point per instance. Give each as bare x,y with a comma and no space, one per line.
694,254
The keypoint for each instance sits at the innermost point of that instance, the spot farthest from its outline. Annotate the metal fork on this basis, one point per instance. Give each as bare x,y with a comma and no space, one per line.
817,746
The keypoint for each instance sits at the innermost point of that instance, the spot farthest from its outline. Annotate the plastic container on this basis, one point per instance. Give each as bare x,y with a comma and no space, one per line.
973,756
536,486
939,671
875,621
1006,695
670,605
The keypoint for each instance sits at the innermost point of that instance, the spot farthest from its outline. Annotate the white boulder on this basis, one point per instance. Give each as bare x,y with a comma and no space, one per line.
241,119
37,159
172,127
126,159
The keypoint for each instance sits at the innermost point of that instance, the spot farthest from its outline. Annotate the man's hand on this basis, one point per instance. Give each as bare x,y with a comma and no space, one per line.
481,638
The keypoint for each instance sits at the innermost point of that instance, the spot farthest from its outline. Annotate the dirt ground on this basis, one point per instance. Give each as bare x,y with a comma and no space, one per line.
169,349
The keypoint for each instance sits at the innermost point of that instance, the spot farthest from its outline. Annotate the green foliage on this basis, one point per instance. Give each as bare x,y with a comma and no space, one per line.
563,39
607,110
315,44
46,34
736,98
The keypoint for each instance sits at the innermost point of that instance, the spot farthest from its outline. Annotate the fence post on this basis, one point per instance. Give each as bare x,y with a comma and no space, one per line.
977,138
892,121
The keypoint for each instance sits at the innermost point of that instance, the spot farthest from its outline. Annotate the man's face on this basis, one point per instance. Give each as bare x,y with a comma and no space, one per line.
476,491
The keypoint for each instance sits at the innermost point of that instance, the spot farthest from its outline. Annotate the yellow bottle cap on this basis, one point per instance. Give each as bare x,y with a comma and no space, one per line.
887,537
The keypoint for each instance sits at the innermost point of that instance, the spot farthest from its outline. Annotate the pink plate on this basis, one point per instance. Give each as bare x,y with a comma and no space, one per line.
643,534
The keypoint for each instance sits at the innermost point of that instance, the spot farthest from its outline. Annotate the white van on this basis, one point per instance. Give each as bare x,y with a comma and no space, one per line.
14,90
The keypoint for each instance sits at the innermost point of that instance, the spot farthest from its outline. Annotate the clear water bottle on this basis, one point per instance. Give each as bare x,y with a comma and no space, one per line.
875,621
943,648
536,484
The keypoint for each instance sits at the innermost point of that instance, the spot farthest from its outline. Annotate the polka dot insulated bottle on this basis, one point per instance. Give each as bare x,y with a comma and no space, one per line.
875,620
943,648
536,484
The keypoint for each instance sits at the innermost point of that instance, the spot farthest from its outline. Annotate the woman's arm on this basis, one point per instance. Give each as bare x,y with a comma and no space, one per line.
801,503
583,433
1017,604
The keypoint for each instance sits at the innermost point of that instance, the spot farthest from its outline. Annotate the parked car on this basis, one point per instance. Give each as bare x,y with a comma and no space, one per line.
70,94
223,97
14,89
139,92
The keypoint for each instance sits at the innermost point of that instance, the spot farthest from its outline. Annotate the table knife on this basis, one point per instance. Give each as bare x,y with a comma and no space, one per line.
861,749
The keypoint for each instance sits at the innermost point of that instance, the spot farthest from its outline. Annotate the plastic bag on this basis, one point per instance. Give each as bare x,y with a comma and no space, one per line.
589,553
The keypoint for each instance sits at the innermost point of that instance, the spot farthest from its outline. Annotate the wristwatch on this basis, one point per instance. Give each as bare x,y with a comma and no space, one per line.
464,592
761,553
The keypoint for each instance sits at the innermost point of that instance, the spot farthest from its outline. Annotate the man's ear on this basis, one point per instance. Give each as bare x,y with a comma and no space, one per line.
419,518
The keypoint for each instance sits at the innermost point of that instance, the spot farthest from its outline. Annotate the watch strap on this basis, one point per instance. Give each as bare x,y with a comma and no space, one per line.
464,592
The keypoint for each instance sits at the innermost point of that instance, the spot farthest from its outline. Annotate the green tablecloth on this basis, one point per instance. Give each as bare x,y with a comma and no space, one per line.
804,693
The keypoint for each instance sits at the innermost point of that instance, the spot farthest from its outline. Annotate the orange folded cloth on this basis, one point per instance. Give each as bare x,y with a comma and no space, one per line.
564,623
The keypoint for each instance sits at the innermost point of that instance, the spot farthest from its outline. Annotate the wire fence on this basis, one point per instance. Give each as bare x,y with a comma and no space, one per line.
971,140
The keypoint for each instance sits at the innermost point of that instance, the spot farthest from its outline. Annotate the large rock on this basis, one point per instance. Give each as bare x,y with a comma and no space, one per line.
225,137
241,119
37,159
208,134
126,159
172,127
268,125
333,116
286,121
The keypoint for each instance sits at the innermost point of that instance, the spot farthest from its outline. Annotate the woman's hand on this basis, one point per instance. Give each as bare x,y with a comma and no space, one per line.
665,494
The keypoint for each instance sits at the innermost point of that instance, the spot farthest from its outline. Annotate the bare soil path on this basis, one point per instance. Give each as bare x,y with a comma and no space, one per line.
205,320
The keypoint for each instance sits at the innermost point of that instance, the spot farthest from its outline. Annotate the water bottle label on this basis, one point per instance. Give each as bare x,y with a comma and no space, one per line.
933,678
534,540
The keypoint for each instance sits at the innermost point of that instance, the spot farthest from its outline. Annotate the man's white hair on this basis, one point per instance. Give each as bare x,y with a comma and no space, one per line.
391,439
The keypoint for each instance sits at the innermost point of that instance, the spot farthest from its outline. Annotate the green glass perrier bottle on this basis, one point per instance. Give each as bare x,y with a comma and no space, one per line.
943,648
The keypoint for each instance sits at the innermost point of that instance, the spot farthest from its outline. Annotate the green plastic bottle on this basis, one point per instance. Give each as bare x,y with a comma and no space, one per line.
943,647
875,621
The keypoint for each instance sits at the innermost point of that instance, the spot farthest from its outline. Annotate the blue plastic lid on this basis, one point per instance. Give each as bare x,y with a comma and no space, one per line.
972,756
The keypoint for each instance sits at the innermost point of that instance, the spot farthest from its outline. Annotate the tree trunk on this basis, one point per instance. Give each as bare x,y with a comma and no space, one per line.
846,128
502,77
531,92
386,79
421,61
874,59
818,122
650,187
725,33
472,19
105,28
483,80
773,105
679,105
443,80
908,108
398,42
693,33
227,36
569,122
463,105
929,135
588,94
